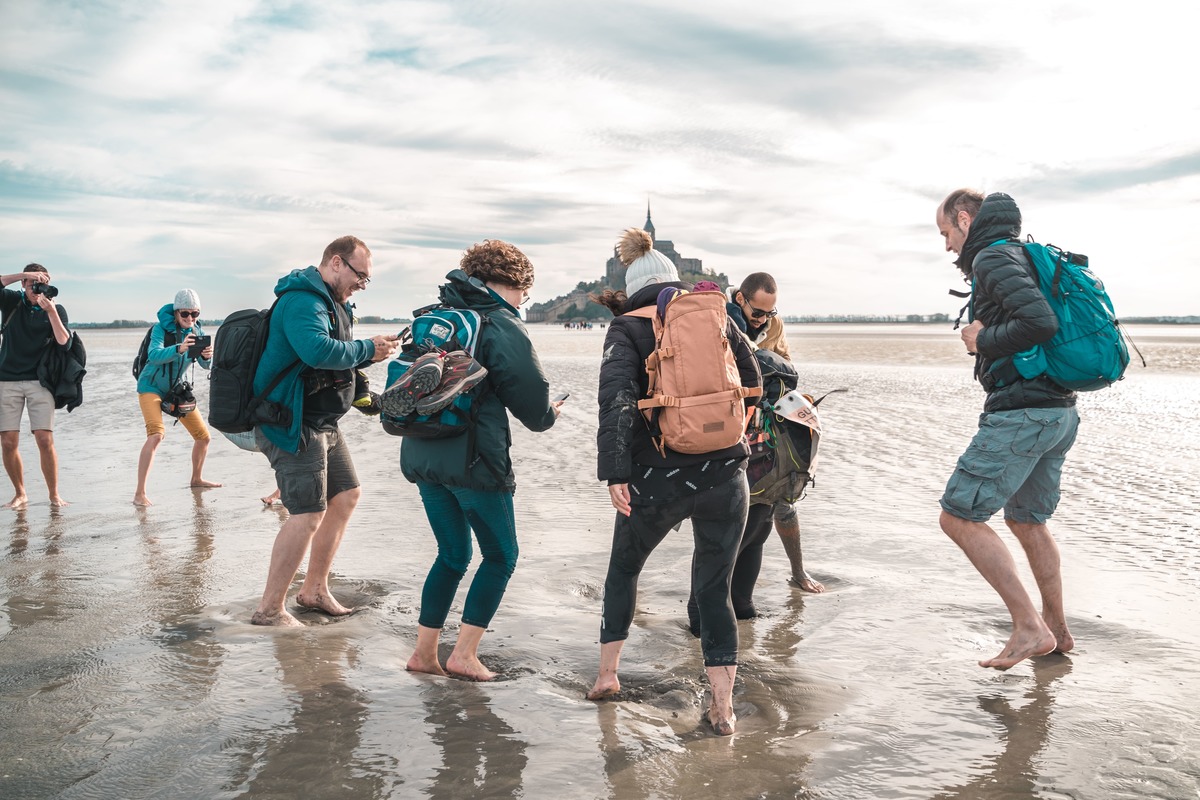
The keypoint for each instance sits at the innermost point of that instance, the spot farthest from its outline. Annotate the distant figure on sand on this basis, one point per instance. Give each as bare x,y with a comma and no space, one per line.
655,491
466,482
32,323
311,342
1026,428
166,365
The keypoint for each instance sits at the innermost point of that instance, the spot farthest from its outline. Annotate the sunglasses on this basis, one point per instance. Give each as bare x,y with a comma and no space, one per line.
363,279
189,314
758,312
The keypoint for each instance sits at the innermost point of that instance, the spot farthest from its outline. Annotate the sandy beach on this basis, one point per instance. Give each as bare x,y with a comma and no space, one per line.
129,669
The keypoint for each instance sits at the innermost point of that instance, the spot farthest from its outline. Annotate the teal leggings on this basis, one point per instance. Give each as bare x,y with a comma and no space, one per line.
453,514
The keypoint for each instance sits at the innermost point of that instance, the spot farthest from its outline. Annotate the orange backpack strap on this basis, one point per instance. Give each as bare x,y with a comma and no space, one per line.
645,312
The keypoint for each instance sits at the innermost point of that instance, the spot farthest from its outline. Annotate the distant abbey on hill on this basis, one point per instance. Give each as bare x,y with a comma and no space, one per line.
576,306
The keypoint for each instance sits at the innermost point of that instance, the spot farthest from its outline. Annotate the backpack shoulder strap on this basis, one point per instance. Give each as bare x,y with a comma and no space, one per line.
645,312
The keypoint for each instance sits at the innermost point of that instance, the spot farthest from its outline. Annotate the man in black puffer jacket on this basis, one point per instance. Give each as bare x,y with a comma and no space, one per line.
1027,426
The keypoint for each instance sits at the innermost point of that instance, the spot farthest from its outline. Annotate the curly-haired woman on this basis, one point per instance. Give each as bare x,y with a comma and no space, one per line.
466,482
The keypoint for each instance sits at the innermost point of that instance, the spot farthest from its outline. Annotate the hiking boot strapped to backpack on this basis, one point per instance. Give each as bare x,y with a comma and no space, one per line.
434,384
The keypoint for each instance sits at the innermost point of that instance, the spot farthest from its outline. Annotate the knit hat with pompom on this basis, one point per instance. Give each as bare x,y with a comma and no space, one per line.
644,265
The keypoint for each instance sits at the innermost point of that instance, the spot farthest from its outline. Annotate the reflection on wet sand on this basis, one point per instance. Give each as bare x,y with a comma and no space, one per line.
482,755
1026,730
315,746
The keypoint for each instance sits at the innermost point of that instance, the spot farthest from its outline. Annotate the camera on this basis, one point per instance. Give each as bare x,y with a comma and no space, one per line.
51,292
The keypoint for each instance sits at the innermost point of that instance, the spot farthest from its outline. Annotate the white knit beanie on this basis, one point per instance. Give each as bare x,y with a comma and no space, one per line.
644,264
187,298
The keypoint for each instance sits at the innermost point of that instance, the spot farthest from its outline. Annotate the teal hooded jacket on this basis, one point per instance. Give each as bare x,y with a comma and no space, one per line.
304,327
514,383
165,365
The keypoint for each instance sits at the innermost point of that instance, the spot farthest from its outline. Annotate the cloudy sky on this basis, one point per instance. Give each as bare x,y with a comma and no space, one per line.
147,146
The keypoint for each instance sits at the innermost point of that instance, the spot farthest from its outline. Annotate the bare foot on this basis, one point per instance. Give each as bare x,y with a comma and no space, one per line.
57,502
1062,635
1023,645
203,484
18,502
281,619
325,603
605,689
806,583
723,724
417,663
470,668
141,500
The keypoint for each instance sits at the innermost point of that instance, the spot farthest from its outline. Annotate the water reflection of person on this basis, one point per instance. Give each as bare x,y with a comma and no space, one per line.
36,595
481,758
314,756
1014,773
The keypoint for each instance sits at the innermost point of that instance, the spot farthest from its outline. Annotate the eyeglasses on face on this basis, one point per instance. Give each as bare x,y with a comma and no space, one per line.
363,279
189,314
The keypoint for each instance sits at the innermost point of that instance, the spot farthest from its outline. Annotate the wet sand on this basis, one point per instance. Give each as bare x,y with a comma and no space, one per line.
128,667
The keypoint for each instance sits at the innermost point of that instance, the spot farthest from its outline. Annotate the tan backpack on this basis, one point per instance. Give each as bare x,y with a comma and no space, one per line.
696,393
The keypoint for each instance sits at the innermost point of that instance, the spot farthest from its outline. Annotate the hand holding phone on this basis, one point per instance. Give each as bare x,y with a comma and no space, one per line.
198,346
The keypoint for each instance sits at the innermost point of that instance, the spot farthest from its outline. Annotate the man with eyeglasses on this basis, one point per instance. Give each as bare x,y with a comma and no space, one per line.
32,323
310,350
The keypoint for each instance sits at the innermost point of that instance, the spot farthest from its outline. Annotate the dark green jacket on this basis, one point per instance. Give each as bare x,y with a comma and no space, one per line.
515,382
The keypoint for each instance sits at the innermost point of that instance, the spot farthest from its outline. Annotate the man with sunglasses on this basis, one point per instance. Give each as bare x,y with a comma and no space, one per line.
753,310
32,322
310,359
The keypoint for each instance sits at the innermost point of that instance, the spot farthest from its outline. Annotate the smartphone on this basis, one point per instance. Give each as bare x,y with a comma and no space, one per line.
198,346
558,398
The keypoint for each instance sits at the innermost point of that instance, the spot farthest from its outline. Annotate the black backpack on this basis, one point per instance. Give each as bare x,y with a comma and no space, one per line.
143,353
233,407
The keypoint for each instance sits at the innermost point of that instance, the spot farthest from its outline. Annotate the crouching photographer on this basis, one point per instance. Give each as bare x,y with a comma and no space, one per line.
172,345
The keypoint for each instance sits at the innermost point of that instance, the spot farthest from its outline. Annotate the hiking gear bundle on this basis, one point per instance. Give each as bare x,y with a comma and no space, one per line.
421,377
695,395
783,455
1089,350
233,407
143,354
434,383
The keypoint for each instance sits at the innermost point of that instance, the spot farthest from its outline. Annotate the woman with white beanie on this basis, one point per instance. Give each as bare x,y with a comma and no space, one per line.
653,490
167,359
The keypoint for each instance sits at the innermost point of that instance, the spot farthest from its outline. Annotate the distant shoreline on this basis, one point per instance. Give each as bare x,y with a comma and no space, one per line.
848,320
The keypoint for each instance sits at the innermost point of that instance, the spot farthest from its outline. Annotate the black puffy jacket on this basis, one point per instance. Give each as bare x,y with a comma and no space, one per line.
1007,300
623,438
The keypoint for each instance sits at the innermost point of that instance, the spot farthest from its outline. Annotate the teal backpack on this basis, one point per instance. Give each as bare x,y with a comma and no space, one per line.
1089,350
437,327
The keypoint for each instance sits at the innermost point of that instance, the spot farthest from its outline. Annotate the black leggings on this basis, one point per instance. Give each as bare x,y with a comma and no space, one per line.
746,568
718,516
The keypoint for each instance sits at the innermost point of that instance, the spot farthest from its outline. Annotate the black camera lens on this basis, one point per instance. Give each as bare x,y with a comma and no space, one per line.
51,292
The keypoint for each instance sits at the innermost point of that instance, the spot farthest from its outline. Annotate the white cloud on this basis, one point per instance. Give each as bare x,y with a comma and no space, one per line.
226,143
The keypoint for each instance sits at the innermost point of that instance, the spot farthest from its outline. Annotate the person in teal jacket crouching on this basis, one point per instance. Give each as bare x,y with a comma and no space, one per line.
310,343
463,490
167,359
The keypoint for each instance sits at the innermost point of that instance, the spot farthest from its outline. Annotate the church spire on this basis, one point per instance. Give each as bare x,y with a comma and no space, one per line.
649,226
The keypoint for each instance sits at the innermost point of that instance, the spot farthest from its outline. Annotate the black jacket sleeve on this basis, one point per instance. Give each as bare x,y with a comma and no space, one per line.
1005,279
619,392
